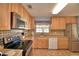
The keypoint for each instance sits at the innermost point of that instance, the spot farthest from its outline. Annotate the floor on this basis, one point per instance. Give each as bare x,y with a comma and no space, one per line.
46,52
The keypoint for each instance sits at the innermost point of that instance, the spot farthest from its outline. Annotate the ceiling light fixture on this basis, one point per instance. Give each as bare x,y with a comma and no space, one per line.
58,8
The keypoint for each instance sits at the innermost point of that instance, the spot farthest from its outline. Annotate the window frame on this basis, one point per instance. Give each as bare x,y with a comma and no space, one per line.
43,28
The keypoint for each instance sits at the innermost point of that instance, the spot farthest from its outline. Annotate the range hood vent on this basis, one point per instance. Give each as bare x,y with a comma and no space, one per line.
29,6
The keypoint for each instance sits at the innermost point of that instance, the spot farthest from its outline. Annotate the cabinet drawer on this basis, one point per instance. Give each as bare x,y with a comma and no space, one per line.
75,46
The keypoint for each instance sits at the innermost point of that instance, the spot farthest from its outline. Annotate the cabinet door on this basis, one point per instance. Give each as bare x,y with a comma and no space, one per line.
42,43
35,43
18,8
55,23
5,10
62,43
71,20
1,48
58,23
32,23
62,24
26,17
14,7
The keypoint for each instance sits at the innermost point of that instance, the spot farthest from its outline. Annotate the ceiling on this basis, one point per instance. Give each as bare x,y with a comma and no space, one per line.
45,9
40,9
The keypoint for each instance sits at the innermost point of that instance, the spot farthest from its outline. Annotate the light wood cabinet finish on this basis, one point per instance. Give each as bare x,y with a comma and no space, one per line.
58,23
1,48
62,43
40,43
18,8
5,16
71,20
28,18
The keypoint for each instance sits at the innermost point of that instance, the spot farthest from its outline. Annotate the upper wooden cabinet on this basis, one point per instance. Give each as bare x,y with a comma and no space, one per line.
58,23
27,18
5,16
18,8
71,20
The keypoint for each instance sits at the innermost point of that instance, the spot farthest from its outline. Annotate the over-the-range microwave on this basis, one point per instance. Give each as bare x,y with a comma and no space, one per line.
17,21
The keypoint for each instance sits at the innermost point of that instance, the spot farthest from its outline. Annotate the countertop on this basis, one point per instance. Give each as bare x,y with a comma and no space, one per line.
13,52
24,38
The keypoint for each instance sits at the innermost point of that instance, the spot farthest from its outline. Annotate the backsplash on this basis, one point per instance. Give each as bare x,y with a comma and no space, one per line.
7,34
11,33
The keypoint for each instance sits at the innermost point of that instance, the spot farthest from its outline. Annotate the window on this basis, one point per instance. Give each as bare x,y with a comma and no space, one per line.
42,28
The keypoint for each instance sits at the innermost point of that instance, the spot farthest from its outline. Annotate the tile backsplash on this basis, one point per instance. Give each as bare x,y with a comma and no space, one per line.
9,34
16,32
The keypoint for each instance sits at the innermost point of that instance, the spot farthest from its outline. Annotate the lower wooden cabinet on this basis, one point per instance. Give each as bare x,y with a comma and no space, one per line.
35,43
1,48
62,43
40,43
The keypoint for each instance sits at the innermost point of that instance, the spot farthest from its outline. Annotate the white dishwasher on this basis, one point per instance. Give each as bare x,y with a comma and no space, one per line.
52,43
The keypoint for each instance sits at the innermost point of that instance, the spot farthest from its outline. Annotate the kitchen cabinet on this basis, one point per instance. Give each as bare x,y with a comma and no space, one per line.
5,15
1,48
58,23
18,8
40,43
14,7
5,10
62,23
62,42
71,20
55,23
35,43
28,18
32,23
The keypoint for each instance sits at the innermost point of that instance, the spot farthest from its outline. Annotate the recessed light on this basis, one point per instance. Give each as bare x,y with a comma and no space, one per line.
58,8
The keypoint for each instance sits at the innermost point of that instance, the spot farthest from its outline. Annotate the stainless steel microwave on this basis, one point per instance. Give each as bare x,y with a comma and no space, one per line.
16,21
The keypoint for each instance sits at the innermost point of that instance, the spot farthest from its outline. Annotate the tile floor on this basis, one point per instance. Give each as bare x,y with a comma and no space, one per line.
47,52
